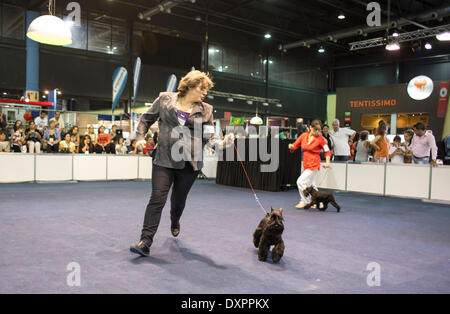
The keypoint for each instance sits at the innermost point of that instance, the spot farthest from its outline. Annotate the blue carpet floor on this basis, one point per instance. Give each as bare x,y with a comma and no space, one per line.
44,227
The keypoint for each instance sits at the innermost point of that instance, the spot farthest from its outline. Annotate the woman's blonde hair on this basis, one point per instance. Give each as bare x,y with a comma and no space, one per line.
194,79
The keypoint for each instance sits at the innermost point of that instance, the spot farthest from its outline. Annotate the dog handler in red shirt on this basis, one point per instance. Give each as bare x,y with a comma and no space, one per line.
312,143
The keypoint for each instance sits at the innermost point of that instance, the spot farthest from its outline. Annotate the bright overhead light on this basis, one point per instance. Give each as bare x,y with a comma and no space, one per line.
443,36
279,105
256,121
392,46
50,30
341,16
321,49
229,99
428,46
250,102
5,93
265,104
395,34
210,96
267,36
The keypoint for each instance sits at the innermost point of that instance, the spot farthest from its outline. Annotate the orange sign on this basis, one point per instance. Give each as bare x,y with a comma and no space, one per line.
373,103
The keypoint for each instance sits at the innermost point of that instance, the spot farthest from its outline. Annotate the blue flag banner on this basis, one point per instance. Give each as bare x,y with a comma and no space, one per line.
119,81
171,83
137,76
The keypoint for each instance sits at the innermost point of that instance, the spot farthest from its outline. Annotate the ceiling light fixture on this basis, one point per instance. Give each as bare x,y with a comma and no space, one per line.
443,36
428,46
50,29
267,36
321,49
341,16
393,46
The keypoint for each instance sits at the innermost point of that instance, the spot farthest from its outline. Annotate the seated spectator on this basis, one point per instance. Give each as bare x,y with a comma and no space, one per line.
132,149
363,148
51,138
18,139
41,122
4,144
86,146
397,151
103,139
148,146
92,135
75,137
422,144
115,135
121,149
409,134
381,144
3,122
33,138
67,146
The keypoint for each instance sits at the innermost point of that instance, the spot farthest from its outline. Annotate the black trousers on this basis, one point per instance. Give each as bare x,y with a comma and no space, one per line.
162,179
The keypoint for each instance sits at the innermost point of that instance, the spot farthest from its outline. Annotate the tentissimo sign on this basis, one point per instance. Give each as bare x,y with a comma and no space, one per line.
373,103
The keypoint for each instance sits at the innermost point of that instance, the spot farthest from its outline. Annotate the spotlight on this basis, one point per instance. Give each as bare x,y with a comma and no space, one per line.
279,105
229,99
443,36
210,96
392,46
250,102
267,36
428,46
5,93
394,34
265,104
321,49
341,16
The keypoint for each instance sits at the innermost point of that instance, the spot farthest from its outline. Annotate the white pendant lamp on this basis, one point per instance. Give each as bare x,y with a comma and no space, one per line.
50,29
256,120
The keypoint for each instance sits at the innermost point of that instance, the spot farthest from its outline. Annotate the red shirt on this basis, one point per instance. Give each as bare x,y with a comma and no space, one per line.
311,151
103,138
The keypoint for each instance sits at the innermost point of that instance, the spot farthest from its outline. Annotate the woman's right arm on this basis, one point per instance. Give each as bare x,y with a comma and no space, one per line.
147,119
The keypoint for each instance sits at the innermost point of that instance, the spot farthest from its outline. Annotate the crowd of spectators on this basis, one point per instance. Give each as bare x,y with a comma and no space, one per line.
50,136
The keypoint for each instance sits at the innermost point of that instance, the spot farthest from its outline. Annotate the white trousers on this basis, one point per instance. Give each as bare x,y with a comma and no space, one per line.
306,179
34,147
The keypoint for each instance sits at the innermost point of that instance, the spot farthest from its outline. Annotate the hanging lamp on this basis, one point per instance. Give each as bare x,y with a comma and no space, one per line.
50,29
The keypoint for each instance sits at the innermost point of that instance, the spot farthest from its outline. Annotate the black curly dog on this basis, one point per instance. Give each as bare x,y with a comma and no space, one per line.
269,233
318,197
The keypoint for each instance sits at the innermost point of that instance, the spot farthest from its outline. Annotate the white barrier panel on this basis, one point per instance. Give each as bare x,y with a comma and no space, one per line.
51,167
122,167
16,167
332,178
440,183
407,180
89,167
145,167
365,177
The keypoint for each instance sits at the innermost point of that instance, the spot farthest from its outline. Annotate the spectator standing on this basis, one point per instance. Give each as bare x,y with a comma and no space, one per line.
422,144
67,146
3,122
327,137
409,134
362,148
381,145
41,122
4,144
148,146
33,138
51,138
447,150
397,151
111,147
341,138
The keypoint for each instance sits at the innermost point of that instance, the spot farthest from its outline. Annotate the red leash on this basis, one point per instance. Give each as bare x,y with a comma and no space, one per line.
248,179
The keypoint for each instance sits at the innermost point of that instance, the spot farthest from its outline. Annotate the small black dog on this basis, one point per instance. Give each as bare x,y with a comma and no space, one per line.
320,197
269,233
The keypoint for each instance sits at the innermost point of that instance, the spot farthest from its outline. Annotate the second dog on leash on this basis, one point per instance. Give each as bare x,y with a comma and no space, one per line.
318,197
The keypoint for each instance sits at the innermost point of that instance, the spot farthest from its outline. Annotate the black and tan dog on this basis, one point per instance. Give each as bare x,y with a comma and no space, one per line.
318,197
269,233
